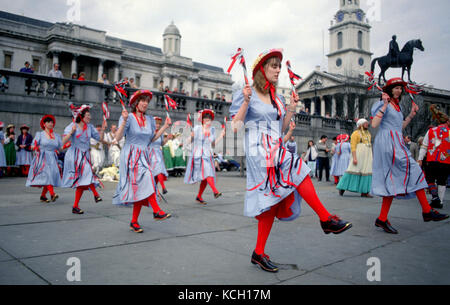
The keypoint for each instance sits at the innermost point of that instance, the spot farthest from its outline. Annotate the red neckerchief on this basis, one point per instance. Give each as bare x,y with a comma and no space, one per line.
207,133
273,97
50,133
84,130
395,102
140,121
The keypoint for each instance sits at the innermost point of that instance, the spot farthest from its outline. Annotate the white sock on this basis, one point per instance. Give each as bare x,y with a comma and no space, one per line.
441,192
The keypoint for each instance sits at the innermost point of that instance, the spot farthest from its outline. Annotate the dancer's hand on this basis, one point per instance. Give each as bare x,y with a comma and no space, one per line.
291,125
125,115
294,101
355,161
74,129
168,122
247,93
414,111
385,97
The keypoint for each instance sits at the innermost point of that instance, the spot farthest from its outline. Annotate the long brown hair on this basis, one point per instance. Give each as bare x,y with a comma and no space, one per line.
259,82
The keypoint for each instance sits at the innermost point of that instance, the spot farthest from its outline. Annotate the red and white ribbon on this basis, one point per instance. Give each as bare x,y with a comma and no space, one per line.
106,112
239,56
292,75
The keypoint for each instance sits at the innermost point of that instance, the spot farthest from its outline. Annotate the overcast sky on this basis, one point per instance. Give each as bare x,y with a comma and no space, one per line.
212,30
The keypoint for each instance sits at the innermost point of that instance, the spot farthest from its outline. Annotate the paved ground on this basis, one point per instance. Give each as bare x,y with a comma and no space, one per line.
45,243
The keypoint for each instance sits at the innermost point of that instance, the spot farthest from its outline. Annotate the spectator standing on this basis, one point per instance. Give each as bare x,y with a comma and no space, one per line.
323,157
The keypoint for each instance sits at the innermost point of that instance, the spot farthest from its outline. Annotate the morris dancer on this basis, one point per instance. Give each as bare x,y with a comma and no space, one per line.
137,185
45,171
341,157
200,166
435,149
78,173
159,171
276,179
395,173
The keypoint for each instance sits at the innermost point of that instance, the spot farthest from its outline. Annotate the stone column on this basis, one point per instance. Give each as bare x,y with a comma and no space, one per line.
356,107
345,106
116,72
55,60
74,66
333,106
100,68
322,106
312,111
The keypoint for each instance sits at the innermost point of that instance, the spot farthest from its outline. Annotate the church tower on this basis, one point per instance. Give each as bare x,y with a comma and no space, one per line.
349,41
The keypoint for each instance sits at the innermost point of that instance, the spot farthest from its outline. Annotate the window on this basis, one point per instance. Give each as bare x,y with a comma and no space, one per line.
340,40
8,61
360,39
36,64
137,80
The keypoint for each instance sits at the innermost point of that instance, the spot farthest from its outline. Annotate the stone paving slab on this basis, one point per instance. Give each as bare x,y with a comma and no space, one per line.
212,244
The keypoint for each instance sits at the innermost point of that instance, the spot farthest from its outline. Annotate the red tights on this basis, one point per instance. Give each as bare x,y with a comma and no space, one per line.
137,206
387,201
160,179
47,188
79,193
210,181
266,219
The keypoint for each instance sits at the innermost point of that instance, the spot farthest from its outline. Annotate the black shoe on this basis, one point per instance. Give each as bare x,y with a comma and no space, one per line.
77,211
217,195
54,197
158,216
264,262
341,192
98,199
134,226
436,203
386,226
335,225
164,191
434,216
44,199
201,201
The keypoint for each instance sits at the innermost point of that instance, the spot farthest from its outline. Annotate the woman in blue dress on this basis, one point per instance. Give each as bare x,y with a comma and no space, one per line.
395,172
156,157
44,170
2,151
200,167
137,185
78,173
341,157
277,180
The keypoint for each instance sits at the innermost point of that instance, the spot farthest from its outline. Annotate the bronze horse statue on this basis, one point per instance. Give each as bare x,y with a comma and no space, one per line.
404,60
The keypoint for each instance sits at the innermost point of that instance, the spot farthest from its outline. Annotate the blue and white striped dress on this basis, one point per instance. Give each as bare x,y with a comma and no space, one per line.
273,173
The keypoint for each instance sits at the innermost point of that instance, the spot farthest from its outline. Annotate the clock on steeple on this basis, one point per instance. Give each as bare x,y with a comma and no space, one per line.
349,41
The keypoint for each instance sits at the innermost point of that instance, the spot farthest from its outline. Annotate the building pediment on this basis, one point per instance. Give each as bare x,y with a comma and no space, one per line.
318,79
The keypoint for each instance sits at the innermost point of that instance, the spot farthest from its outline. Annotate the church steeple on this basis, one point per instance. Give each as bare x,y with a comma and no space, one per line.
349,40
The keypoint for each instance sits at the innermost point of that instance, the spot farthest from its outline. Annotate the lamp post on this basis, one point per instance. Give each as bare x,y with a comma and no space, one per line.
315,84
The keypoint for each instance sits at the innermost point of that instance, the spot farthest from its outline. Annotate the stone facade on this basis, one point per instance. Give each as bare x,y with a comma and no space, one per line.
81,49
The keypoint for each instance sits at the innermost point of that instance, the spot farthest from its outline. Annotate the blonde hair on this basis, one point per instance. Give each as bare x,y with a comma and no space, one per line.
259,82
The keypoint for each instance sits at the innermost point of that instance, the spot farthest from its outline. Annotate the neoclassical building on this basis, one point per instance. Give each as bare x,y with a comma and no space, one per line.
81,49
